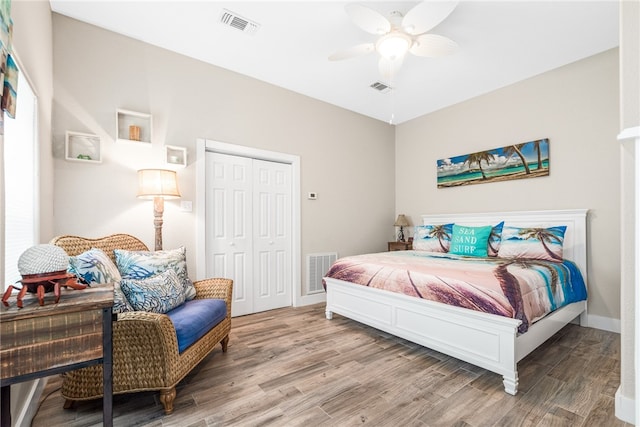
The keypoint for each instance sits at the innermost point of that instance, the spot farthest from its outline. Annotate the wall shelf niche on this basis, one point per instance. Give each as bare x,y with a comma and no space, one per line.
132,126
82,147
175,156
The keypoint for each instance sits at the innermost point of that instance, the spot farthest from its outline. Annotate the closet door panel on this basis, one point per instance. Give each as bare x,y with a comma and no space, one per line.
229,245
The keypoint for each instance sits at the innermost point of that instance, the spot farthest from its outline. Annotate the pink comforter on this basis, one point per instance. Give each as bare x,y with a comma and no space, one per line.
522,289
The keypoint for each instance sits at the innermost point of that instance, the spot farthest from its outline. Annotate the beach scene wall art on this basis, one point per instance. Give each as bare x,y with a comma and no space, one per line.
518,161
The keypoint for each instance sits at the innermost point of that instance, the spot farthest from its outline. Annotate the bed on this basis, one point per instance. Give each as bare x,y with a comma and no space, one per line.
490,341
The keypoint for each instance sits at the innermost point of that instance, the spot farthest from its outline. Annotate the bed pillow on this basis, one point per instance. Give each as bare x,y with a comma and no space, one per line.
143,264
94,266
157,294
432,238
532,243
470,241
494,239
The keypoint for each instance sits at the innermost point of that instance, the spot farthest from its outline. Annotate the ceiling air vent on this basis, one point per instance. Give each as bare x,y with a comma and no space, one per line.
236,21
381,87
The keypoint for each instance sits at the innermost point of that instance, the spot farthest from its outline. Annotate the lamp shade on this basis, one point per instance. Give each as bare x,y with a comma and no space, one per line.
401,221
157,183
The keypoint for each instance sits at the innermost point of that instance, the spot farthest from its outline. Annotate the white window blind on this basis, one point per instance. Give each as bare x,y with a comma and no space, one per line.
21,179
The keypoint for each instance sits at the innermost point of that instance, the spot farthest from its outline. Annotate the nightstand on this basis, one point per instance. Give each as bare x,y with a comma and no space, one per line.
399,246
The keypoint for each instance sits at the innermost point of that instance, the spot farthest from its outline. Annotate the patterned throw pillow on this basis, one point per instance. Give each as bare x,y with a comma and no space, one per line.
157,294
94,266
143,264
432,238
120,303
470,241
532,243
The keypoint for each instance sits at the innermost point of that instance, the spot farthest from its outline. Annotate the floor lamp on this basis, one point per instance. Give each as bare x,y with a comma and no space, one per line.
157,184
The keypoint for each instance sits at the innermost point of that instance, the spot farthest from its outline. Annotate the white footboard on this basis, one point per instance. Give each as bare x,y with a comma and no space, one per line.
481,339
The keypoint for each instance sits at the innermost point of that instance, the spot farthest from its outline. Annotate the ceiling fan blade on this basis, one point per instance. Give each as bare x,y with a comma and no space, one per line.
368,19
389,68
426,15
352,52
433,46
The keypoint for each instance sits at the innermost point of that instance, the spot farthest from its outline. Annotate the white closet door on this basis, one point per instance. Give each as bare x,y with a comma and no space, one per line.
248,227
229,240
272,235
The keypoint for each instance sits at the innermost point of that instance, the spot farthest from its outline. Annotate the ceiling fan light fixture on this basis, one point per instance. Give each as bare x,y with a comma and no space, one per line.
394,45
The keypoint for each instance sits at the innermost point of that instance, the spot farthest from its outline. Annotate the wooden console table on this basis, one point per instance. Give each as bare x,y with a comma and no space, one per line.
39,341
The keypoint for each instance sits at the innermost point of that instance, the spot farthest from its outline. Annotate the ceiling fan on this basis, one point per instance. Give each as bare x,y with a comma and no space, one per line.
400,34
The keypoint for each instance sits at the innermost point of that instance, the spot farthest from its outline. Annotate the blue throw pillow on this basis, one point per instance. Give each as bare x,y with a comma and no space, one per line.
470,241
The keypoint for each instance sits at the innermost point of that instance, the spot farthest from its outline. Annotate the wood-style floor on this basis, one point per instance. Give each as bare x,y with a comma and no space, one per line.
292,367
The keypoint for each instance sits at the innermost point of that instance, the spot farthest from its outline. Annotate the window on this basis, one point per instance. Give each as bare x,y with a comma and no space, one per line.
20,179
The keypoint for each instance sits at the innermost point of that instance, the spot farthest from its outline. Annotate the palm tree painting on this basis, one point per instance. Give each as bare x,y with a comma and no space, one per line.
477,158
516,161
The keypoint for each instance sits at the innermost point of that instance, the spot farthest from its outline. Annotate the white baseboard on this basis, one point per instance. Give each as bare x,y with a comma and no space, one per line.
604,323
311,299
625,408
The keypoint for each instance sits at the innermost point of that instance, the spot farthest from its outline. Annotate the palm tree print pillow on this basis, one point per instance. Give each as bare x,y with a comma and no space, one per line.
432,238
532,243
495,239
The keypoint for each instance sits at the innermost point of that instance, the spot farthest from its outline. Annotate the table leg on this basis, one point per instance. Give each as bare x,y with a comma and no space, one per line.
5,406
107,368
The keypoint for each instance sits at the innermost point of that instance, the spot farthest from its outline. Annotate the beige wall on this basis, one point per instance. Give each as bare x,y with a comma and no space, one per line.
629,64
576,107
33,41
346,158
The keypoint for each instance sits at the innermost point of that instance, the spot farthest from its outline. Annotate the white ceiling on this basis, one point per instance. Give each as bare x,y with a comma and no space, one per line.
501,42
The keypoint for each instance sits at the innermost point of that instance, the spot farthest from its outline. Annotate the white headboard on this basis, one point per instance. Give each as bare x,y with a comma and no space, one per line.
575,237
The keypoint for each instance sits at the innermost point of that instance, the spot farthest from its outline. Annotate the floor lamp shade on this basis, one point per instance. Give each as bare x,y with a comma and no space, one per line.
158,184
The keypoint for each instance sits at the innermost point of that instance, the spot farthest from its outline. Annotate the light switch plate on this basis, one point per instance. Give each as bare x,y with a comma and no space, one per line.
186,206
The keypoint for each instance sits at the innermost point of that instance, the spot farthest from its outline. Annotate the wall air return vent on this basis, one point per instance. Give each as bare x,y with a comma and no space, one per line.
380,87
233,20
317,266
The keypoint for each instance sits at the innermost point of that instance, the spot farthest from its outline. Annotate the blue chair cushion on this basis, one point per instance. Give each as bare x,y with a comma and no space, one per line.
193,319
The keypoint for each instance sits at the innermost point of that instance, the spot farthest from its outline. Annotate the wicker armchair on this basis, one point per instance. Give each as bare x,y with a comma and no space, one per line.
145,347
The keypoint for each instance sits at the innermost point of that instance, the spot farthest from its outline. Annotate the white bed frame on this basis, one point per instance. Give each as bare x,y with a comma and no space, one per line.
486,340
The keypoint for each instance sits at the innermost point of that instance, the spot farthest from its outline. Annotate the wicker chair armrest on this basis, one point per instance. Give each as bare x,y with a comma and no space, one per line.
219,288
144,339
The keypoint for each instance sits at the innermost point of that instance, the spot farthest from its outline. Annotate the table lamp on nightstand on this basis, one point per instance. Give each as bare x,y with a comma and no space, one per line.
401,222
